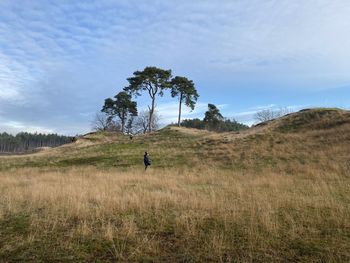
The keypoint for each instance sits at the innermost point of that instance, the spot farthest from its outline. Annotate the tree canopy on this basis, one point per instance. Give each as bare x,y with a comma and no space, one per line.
122,107
184,89
213,114
154,81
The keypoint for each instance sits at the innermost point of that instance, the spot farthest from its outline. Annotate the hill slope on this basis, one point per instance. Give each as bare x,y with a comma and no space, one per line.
279,192
315,138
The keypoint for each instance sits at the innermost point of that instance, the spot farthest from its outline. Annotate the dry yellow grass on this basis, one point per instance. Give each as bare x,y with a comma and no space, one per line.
181,214
278,193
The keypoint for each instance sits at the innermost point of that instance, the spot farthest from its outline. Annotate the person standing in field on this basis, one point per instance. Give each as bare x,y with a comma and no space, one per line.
146,160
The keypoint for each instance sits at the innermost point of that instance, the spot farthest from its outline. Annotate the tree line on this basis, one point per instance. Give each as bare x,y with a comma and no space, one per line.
24,141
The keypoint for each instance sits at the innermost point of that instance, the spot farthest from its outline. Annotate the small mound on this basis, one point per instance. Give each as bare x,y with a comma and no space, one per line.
312,119
190,131
41,149
93,138
103,136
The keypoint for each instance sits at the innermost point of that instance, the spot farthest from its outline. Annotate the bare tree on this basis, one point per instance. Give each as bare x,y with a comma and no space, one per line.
265,115
270,114
284,111
129,128
101,122
141,123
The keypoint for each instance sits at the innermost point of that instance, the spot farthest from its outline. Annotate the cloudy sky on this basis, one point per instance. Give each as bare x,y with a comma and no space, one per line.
60,59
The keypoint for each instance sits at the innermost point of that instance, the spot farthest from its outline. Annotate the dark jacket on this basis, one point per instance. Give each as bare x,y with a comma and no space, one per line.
146,160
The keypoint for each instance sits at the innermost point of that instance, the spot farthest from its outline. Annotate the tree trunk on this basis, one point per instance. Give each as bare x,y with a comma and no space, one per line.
123,121
180,104
123,124
151,116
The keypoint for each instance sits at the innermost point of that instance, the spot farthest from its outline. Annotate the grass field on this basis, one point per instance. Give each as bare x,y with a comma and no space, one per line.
278,192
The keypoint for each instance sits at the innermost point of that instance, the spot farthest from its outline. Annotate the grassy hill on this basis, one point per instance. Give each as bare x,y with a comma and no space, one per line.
313,138
279,192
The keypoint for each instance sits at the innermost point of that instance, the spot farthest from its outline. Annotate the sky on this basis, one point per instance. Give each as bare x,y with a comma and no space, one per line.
60,59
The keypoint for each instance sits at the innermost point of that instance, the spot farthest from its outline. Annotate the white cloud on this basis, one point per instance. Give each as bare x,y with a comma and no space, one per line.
15,127
63,58
264,107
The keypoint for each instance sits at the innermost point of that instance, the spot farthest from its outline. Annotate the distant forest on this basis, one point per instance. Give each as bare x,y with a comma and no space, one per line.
225,125
214,121
24,142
